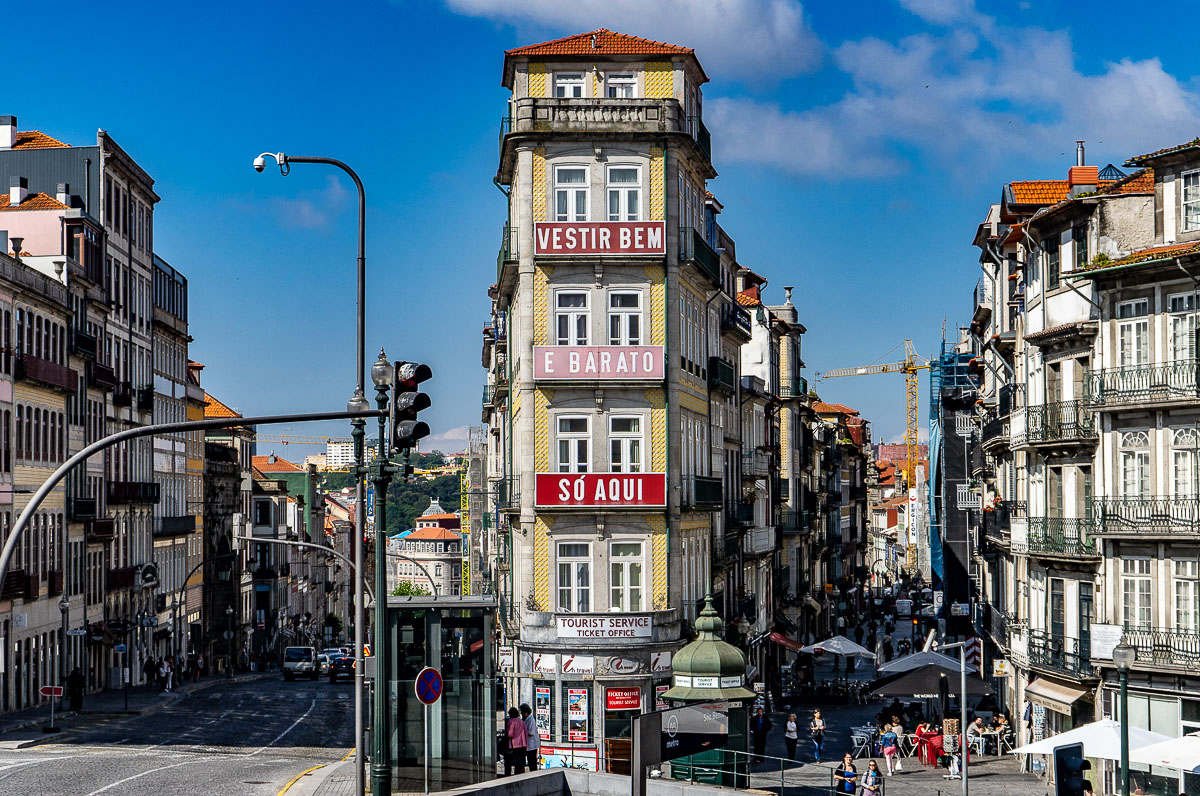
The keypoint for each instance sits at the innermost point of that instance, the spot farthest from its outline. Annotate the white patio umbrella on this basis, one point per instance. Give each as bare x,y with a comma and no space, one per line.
1100,739
918,659
839,645
1182,753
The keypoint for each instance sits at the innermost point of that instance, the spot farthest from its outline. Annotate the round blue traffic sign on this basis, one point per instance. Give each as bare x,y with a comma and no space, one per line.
428,685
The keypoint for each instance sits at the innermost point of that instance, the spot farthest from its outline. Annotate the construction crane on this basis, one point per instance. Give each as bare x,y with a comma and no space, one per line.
909,367
292,439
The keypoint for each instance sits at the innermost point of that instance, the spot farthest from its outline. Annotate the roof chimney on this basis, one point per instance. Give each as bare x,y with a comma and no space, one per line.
1079,161
1081,178
18,189
8,132
63,193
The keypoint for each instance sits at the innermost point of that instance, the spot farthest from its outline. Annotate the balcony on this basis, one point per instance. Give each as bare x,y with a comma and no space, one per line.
694,249
174,526
1143,385
735,321
756,464
16,584
123,394
102,377
702,492
995,432
782,488
1158,647
50,374
1060,655
596,115
100,530
132,492
1054,423
83,344
794,523
995,624
721,376
793,388
997,523
263,573
54,582
121,578
740,514
507,493
1063,537
1146,517
758,541
982,303
508,250
145,398
701,135
81,509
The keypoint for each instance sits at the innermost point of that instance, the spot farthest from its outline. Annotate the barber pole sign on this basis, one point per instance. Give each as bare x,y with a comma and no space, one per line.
975,652
602,238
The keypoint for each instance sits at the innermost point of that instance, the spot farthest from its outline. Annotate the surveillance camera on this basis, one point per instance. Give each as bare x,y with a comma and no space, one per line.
259,164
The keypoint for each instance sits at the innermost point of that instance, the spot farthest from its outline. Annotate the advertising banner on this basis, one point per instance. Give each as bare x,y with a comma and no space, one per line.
541,711
565,238
602,362
577,714
660,703
569,757
623,698
611,490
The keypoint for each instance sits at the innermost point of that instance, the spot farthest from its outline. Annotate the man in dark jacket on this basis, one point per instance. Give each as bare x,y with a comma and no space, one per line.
75,689
760,725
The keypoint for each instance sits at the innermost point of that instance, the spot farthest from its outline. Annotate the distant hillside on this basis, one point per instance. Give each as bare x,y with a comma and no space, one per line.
406,501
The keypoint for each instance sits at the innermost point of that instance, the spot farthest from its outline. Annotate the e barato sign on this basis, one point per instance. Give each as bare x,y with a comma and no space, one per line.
598,362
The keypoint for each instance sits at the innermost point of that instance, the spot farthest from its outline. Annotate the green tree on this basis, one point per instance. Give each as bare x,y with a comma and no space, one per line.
406,589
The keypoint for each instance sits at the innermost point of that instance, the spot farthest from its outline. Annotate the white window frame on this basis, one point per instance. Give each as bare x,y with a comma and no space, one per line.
622,570
573,316
572,200
1185,462
626,449
1133,333
1135,464
1185,575
569,85
572,596
573,448
1189,200
1137,585
625,324
623,193
1184,319
620,85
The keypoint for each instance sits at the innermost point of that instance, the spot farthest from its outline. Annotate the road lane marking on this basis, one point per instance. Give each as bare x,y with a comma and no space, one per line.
279,737
139,776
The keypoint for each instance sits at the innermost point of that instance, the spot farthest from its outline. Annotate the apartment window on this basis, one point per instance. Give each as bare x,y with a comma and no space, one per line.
1135,464
625,318
1183,317
262,512
1185,444
1133,338
570,193
1052,265
574,444
568,84
571,317
1190,201
625,576
1135,591
621,84
574,578
624,193
437,570
625,444
1187,594
1079,236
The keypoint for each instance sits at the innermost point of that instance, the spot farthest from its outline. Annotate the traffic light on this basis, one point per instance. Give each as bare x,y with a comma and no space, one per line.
1069,765
406,403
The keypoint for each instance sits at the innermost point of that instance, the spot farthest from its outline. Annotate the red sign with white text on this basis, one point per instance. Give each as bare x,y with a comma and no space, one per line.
599,237
614,490
600,362
623,699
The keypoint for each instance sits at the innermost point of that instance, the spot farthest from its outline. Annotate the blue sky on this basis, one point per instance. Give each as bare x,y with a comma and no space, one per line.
858,145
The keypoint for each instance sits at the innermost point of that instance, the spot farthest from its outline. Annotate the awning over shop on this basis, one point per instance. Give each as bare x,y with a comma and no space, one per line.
1054,696
786,642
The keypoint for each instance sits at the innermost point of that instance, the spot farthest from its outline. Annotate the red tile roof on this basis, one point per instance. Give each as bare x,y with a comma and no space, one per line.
36,139
214,408
1039,192
432,533
1138,182
822,408
438,517
601,42
747,300
1152,254
265,465
1139,160
34,201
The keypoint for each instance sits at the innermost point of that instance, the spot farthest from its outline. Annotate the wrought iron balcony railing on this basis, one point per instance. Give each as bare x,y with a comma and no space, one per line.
1158,646
51,374
1061,421
507,493
1149,515
721,376
693,248
702,492
736,319
793,388
1069,656
508,250
1138,384
1062,536
994,431
794,523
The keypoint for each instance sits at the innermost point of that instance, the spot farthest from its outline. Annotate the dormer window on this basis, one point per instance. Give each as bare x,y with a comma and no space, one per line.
568,85
622,85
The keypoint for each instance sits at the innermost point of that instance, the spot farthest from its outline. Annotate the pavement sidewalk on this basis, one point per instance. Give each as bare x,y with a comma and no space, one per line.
23,728
333,779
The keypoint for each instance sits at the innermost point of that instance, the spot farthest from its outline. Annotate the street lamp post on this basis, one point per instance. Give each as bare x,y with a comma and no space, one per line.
1123,656
358,425
229,641
381,763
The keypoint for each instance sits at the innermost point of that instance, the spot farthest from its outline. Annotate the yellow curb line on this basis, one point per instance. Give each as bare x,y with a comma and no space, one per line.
347,757
296,779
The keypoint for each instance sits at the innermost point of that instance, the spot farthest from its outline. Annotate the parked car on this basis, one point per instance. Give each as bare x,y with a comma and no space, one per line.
341,667
300,662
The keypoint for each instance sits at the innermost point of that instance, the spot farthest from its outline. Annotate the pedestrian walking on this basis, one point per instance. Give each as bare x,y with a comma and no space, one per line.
533,741
872,783
888,649
791,735
858,635
816,730
75,690
845,777
150,672
760,725
164,675
514,730
888,740
199,669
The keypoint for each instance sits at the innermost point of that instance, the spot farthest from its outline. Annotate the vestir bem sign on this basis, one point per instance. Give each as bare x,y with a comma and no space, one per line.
599,237
619,626
613,362
615,490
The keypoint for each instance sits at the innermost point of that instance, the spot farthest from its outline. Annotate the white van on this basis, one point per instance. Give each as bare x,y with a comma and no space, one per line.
300,662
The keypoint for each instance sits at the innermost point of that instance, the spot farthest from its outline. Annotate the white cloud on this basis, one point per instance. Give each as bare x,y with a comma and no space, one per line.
940,12
732,38
312,209
453,440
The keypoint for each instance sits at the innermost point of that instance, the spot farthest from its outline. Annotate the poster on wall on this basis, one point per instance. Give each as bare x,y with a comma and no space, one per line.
577,714
659,692
541,711
569,757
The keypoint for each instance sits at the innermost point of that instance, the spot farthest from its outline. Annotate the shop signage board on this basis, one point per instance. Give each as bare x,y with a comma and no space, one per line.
578,664
598,362
541,711
603,238
660,661
577,714
604,627
623,698
609,490
506,658
660,691
1000,668
545,663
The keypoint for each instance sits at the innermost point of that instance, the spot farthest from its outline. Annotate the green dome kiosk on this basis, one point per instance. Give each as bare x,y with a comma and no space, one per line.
711,670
